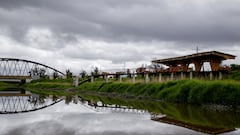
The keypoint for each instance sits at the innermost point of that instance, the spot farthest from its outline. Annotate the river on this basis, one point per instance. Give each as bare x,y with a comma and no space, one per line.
91,115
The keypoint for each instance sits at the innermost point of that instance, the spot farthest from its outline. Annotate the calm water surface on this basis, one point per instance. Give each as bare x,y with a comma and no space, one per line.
97,115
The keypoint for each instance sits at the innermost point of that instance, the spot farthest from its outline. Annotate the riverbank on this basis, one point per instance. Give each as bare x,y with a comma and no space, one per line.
4,85
226,92
203,115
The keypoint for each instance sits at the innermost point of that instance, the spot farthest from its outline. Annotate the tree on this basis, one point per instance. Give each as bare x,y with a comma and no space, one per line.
235,67
55,75
69,74
42,73
38,72
83,74
95,71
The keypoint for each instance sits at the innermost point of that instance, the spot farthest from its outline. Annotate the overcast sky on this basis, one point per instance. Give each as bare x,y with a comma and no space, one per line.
80,34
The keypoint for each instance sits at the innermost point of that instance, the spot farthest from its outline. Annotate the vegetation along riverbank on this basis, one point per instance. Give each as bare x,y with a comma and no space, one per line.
201,92
184,91
222,92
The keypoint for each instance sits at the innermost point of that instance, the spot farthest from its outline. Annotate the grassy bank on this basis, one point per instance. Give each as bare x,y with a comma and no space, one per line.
225,92
4,85
185,91
50,87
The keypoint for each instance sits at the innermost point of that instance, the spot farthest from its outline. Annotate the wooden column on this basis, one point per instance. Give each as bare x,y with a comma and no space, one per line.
198,65
184,66
215,64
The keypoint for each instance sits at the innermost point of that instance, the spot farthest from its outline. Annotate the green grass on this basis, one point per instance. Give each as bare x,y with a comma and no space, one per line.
185,91
223,92
50,87
4,85
234,75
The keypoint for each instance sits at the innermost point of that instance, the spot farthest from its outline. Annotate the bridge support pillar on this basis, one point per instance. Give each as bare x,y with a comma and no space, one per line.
160,77
51,77
220,75
182,76
92,78
147,80
75,81
106,78
211,75
191,75
133,78
172,76
120,78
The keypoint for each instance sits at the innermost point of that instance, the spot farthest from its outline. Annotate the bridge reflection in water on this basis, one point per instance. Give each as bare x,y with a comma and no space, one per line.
20,101
191,117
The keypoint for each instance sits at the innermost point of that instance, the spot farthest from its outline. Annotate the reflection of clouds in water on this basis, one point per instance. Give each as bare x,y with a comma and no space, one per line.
236,132
76,119
41,128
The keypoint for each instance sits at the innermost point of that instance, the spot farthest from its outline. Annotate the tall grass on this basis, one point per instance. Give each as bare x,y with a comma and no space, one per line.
4,85
185,91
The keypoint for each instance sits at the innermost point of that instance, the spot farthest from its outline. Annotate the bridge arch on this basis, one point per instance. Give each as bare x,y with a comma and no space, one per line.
21,101
21,67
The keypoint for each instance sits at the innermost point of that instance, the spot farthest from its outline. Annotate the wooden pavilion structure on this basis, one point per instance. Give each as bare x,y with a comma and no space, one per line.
215,58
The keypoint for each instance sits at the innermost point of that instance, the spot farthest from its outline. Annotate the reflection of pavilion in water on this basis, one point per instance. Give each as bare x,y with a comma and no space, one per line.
20,101
157,117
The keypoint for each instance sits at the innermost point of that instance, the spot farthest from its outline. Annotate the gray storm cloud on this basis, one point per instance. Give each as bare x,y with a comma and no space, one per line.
135,20
117,31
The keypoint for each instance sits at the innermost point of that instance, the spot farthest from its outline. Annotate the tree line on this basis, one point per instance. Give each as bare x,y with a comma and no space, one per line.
41,73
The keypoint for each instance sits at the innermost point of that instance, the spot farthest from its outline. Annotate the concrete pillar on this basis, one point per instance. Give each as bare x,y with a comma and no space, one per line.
182,76
133,78
120,78
75,81
220,75
51,77
191,75
106,78
172,75
160,77
92,78
147,78
211,75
